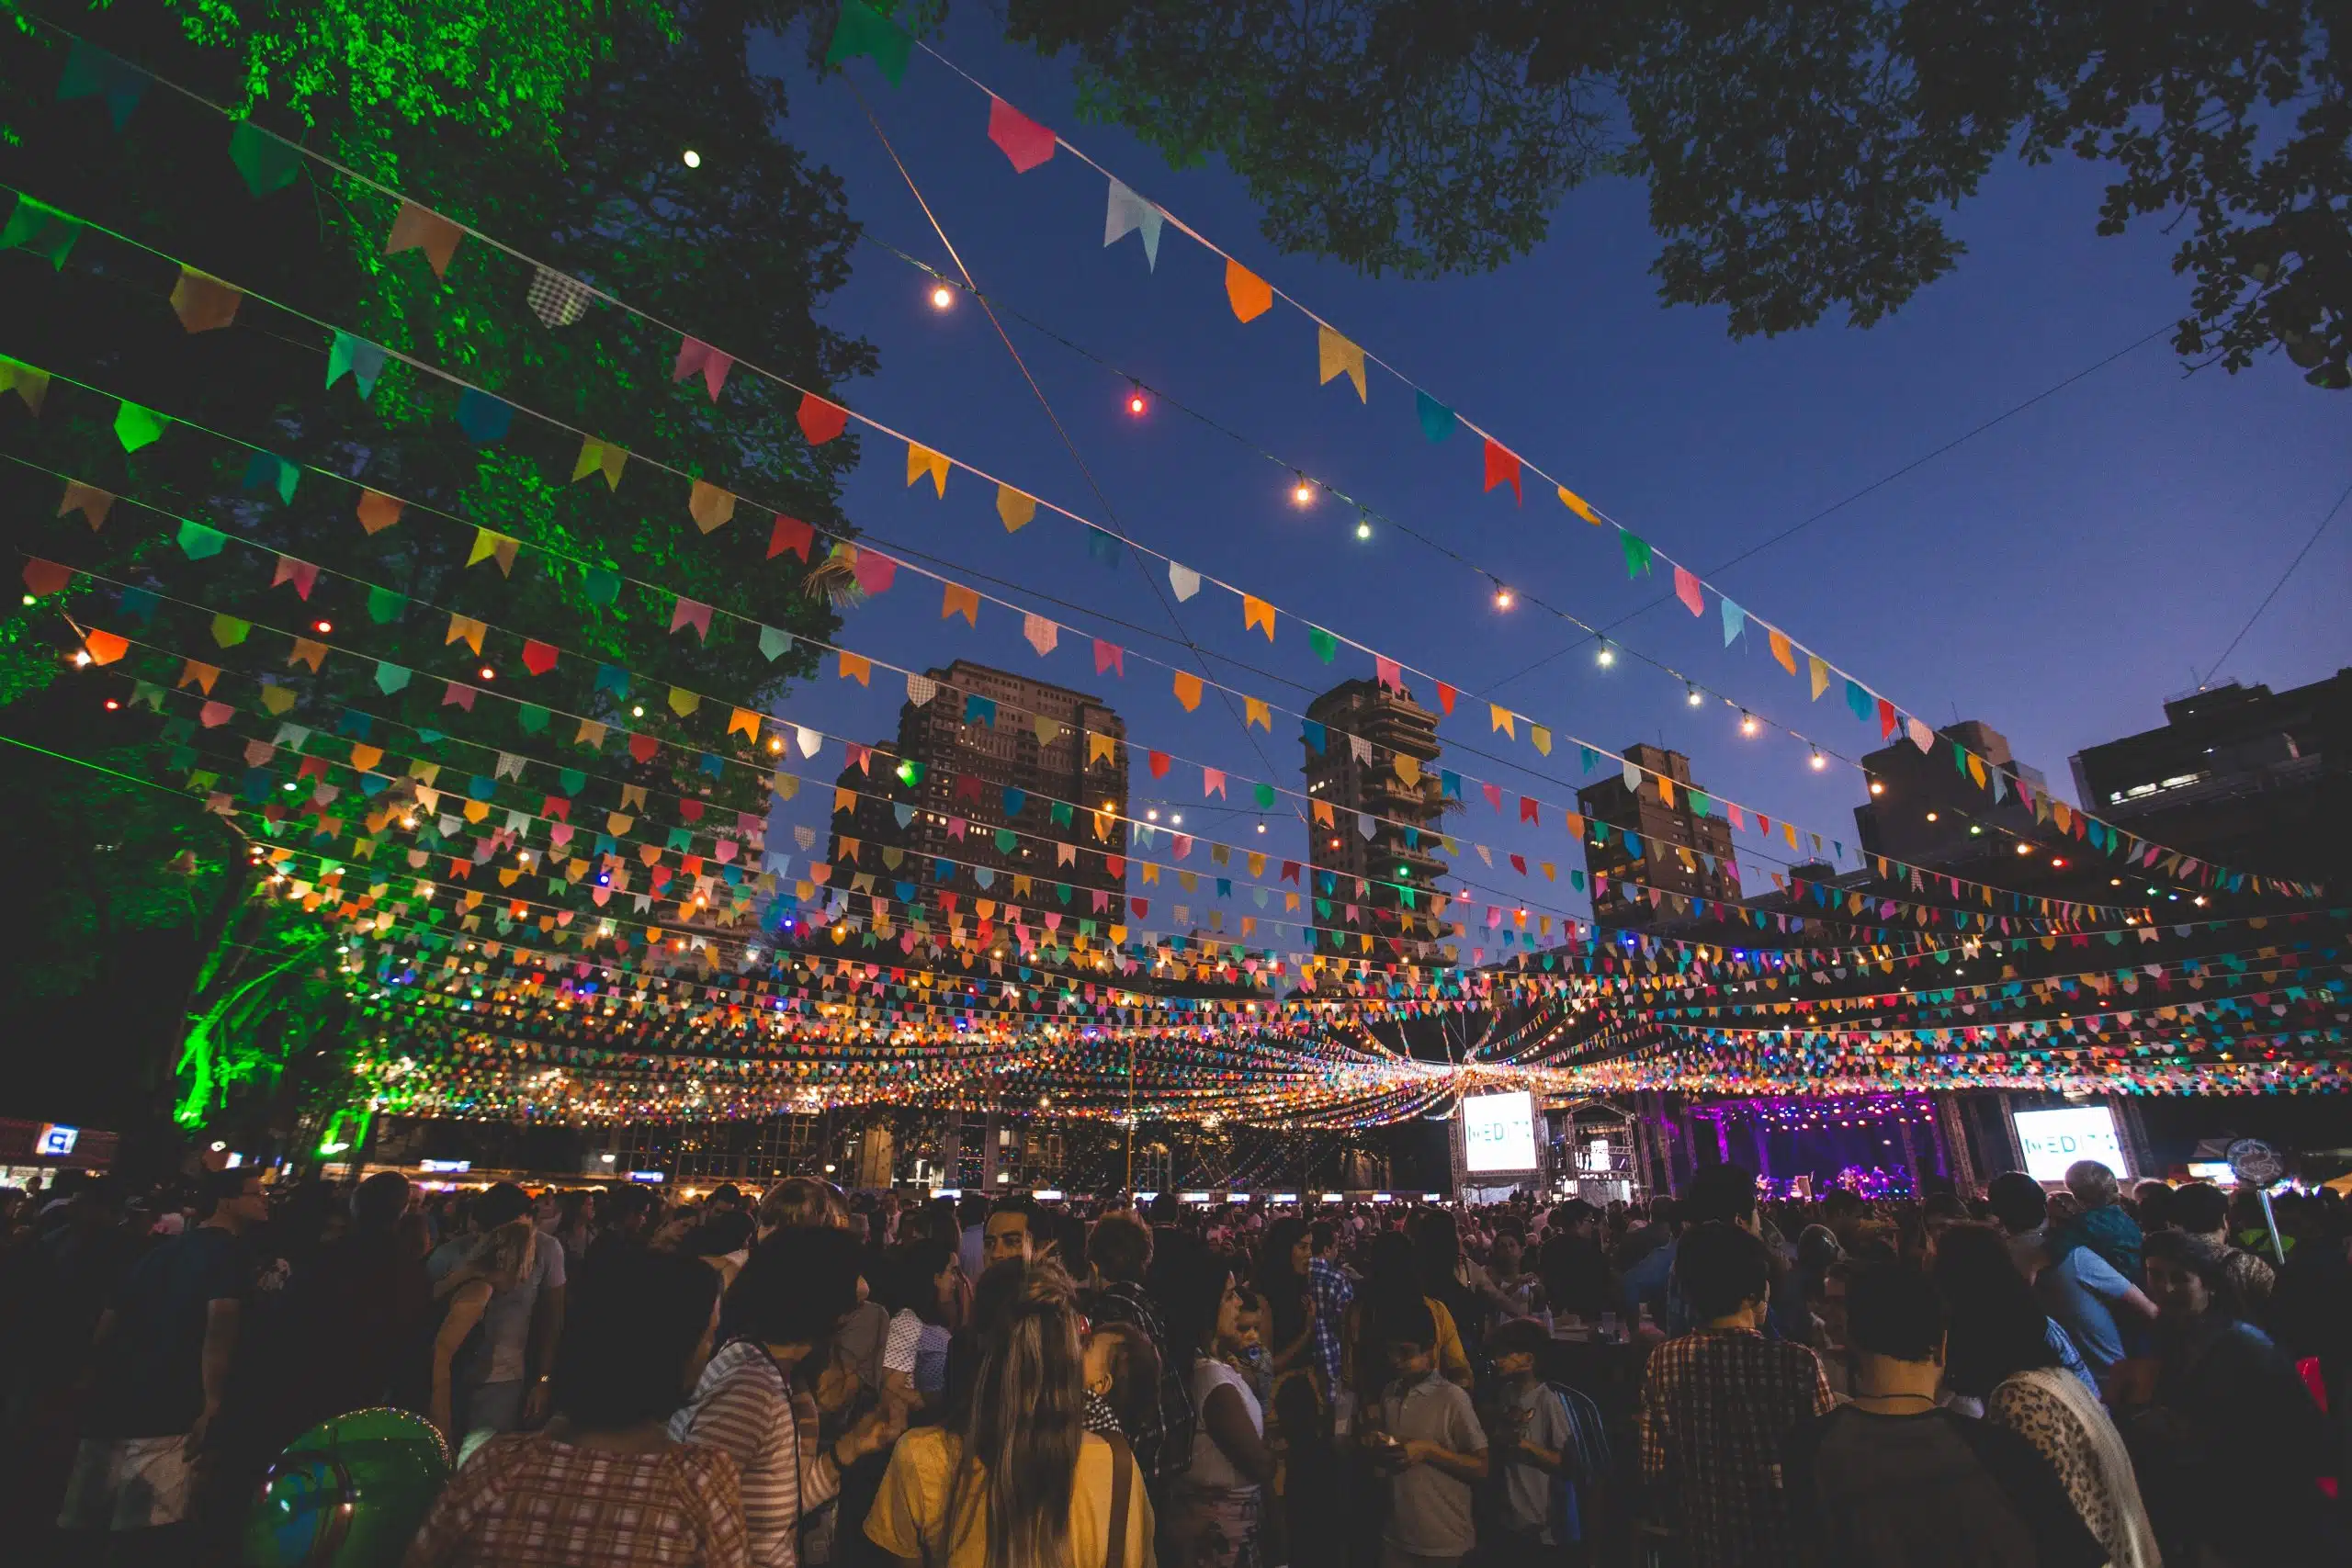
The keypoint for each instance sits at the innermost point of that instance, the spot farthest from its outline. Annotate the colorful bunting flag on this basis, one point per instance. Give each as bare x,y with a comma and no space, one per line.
422,228
710,506
270,163
1437,420
203,302
362,360
1129,213
696,355
1503,468
91,502
28,383
1185,580
483,418
1257,612
921,460
1015,509
1578,506
1637,553
266,471
199,542
691,613
1023,140
91,72
134,426
1251,296
958,600
860,29
821,421
556,299
1111,657
600,457
1335,355
790,534
1188,689
494,547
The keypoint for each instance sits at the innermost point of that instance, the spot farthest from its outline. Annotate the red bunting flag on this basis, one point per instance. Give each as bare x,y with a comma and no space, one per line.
1110,656
1157,762
1686,587
1023,141
43,577
105,647
821,421
790,534
537,657
1445,695
1495,797
1885,719
300,574
1502,468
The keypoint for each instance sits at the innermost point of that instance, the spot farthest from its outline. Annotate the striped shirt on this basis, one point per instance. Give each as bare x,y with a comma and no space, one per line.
744,1407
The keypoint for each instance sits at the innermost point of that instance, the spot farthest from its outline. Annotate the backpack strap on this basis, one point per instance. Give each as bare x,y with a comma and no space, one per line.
1123,1468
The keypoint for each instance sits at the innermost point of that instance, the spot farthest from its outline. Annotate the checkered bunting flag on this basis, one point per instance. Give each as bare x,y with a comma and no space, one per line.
556,299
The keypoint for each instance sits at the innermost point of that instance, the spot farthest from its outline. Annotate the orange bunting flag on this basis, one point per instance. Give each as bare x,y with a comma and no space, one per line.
1578,506
746,720
1188,689
710,506
1335,355
1257,713
105,647
1503,719
1257,612
1251,295
1017,509
958,600
921,460
377,511
1782,650
91,502
466,628
203,302
857,667
421,228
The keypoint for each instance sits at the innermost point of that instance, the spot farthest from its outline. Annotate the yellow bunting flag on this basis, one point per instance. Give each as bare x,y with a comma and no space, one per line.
1781,652
1101,748
494,547
857,667
1251,295
1015,509
710,506
1578,506
1504,720
1257,612
1542,737
468,628
921,460
599,457
1976,769
1408,768
1188,689
682,702
1820,675
958,600
1257,713
1335,355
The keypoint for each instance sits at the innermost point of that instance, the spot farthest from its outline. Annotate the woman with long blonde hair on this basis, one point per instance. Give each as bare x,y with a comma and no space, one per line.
1021,1484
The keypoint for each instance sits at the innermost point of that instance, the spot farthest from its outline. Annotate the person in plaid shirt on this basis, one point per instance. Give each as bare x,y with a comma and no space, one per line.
1329,1293
604,1485
1719,1405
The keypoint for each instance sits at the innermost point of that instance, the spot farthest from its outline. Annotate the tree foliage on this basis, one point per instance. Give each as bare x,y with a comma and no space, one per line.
557,128
1801,155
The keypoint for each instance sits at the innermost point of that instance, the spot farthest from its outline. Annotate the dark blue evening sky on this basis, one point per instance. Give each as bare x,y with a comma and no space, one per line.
2057,576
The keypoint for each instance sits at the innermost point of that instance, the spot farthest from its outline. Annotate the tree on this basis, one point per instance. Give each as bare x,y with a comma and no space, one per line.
559,128
1798,153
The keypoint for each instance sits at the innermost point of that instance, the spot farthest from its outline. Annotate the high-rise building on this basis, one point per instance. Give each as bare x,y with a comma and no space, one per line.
1681,853
1923,807
2254,779
1375,861
994,774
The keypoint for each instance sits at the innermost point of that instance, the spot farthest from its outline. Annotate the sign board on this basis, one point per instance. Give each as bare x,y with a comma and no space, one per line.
2053,1140
1498,1133
56,1141
2255,1163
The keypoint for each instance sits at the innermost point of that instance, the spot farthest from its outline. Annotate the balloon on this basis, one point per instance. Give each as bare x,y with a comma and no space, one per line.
349,1493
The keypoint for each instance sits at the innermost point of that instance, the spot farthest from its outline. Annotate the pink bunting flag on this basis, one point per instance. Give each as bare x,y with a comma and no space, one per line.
1212,781
457,694
300,574
874,572
1391,676
1495,797
689,613
696,355
1110,656
1686,587
1023,141
1502,468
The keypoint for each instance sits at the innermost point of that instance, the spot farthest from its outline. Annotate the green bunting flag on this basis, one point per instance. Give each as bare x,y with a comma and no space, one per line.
860,29
1322,643
364,361
384,606
267,163
136,427
199,542
92,73
40,227
1637,553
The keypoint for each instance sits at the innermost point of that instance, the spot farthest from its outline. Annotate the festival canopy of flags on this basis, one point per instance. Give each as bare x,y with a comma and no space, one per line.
561,913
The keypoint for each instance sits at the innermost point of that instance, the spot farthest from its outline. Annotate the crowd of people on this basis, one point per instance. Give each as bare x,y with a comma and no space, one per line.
801,1377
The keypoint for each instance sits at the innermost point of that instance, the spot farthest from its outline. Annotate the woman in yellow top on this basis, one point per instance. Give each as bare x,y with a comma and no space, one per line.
1393,1277
1022,1484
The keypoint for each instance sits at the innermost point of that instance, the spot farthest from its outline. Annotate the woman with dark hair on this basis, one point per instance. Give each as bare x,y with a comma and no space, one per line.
1280,1276
787,1303
2225,1433
1214,1504
603,1484
1450,1277
916,1284
2002,1354
1022,1484
1392,1282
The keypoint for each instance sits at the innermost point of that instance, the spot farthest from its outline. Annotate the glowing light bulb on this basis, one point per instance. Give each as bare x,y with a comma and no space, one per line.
323,627
1819,761
1502,597
1136,405
942,298
692,159
488,673
1363,528
1302,493
1694,698
1607,657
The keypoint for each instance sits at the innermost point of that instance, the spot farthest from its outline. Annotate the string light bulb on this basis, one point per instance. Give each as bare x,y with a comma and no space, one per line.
1364,527
1135,404
1819,761
942,298
1607,657
1748,724
1502,597
1694,698
323,627
1302,493
488,673
692,159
